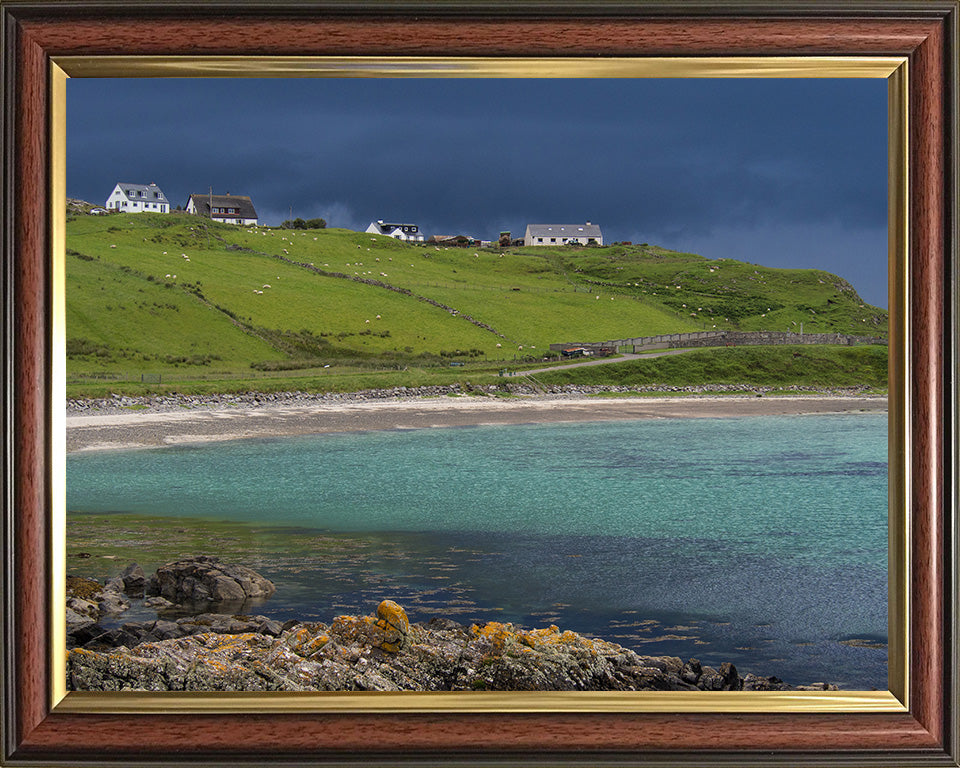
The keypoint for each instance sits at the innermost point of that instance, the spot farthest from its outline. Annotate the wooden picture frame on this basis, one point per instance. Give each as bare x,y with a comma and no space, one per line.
36,35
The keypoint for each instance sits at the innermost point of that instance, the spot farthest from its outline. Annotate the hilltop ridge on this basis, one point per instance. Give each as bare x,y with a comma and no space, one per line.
149,293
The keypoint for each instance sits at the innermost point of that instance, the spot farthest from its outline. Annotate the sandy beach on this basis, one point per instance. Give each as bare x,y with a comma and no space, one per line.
147,429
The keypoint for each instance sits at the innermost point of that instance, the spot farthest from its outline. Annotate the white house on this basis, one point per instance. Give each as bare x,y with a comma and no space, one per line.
563,234
408,232
137,198
229,209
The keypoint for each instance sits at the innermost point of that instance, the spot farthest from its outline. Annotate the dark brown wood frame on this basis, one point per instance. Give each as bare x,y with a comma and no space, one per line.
925,32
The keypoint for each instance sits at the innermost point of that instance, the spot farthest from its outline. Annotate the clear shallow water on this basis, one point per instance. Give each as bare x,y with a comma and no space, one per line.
758,540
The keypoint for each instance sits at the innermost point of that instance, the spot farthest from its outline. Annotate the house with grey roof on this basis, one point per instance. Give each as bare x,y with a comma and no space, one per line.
137,198
229,209
407,232
563,234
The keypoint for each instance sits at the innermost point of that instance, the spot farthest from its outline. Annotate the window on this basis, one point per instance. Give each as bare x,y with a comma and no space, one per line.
156,195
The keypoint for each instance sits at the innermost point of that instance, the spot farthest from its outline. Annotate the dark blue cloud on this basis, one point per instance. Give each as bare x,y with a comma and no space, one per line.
707,162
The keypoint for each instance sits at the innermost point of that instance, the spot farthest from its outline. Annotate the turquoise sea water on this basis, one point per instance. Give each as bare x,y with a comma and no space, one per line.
761,541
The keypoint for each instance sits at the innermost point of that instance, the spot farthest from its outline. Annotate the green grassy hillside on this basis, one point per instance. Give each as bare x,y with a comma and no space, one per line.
779,366
175,293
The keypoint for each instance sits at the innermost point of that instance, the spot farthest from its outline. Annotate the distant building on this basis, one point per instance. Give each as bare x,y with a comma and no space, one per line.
137,198
461,241
563,234
229,209
407,232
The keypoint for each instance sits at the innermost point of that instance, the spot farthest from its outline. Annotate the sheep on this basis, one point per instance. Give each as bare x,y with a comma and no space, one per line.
113,246
265,285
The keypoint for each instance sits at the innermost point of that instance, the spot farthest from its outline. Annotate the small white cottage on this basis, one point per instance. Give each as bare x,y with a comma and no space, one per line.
137,198
563,234
229,209
407,232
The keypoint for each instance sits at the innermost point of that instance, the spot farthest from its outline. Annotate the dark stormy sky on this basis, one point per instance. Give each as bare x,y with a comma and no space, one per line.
787,173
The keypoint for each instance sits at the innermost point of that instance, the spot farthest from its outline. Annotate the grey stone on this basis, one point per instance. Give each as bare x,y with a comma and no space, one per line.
134,580
206,580
158,603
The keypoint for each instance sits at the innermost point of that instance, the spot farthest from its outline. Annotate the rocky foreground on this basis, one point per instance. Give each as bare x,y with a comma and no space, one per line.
223,652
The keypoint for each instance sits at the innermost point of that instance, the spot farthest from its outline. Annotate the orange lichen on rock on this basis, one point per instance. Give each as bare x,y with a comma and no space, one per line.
497,633
553,636
392,619
388,631
305,642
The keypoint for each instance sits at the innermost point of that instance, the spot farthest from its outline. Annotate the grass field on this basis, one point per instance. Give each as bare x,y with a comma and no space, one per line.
780,366
195,303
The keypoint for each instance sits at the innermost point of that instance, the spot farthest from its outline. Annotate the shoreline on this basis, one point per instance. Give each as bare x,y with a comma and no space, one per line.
136,426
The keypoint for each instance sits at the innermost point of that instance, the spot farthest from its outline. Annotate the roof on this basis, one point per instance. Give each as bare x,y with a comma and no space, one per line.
564,230
132,191
242,203
386,227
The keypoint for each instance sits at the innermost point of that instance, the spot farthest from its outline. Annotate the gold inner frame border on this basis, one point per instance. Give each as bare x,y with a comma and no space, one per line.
893,69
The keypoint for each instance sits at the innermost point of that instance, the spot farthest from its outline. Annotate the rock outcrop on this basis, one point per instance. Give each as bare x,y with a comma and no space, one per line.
200,582
205,579
386,653
88,601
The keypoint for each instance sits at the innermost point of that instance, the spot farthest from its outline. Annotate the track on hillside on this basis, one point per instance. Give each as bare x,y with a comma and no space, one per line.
604,361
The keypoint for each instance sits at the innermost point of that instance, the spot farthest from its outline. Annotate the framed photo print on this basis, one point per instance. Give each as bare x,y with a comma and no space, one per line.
322,449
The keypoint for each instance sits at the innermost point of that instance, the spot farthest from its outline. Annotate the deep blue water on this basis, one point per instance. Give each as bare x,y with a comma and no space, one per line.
761,541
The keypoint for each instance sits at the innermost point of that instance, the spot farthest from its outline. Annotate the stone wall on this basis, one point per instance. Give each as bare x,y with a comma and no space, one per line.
722,339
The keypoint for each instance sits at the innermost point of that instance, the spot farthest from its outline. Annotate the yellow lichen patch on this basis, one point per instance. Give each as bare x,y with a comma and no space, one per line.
82,587
552,635
392,620
497,633
390,613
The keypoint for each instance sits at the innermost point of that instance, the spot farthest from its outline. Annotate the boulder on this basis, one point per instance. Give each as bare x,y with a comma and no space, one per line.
134,580
205,579
91,600
86,610
158,603
112,602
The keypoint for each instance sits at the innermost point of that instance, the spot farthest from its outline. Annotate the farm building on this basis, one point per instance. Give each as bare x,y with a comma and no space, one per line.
407,232
137,198
229,209
563,234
